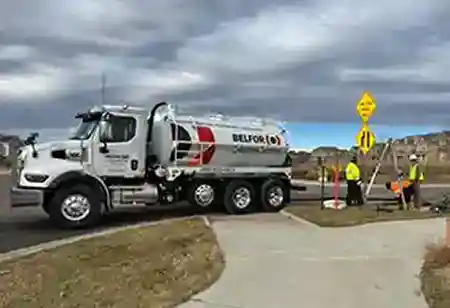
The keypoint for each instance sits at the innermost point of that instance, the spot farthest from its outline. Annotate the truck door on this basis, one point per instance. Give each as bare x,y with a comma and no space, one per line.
121,147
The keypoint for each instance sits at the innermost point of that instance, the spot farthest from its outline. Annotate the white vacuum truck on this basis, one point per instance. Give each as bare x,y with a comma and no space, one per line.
122,155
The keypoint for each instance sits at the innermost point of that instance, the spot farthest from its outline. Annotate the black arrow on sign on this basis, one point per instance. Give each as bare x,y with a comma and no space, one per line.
365,139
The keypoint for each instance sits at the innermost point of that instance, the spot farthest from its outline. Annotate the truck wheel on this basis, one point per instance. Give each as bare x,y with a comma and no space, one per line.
202,195
238,197
75,207
273,195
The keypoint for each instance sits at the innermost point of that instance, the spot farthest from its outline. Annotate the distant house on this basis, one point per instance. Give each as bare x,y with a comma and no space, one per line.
326,151
9,146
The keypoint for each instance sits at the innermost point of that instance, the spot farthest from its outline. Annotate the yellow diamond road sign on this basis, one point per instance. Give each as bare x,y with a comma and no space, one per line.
365,139
366,106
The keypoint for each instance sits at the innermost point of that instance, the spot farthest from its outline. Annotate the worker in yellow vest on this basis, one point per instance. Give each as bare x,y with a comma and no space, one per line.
353,178
415,177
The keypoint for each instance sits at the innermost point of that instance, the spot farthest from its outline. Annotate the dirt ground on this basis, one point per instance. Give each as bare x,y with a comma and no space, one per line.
157,266
435,277
353,216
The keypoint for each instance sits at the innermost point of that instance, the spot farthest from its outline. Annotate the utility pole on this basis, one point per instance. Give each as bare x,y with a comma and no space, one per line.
103,88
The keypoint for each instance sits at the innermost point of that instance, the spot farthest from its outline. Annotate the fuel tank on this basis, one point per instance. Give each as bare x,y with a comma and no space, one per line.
216,140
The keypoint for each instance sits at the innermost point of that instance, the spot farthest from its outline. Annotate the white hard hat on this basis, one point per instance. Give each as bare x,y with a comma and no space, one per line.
413,157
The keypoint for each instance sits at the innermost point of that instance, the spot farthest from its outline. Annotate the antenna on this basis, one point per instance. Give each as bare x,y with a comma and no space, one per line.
103,88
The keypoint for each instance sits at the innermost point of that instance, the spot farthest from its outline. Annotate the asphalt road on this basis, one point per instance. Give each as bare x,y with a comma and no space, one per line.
23,227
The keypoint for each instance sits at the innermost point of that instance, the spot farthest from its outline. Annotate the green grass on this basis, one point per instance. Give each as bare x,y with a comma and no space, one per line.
157,266
353,216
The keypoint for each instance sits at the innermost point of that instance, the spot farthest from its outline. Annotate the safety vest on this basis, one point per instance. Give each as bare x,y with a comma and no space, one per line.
352,172
413,173
397,189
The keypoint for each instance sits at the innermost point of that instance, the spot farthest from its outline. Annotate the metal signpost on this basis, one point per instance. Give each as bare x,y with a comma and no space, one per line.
321,163
365,139
337,188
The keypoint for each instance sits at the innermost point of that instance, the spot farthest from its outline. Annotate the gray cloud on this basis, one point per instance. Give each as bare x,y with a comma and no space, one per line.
297,60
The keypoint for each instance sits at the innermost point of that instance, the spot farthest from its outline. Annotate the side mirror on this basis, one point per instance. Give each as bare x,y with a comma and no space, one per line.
104,131
104,135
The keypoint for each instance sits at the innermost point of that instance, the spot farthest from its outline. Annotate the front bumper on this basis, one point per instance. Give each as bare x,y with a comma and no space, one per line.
24,197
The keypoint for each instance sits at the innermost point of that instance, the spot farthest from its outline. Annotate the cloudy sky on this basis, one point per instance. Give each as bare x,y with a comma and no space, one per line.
304,61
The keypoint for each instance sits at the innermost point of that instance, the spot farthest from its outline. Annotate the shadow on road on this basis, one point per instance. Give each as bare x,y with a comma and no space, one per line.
28,227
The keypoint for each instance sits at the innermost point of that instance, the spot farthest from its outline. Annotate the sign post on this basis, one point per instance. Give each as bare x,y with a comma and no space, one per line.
321,164
336,186
365,139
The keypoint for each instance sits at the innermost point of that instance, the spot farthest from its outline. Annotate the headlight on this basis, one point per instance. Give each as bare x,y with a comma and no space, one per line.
36,178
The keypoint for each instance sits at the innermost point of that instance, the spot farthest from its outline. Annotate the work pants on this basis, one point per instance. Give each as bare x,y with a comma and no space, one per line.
408,192
417,196
354,193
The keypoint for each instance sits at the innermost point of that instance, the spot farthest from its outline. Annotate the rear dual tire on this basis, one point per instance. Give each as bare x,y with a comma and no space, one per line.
240,197
274,195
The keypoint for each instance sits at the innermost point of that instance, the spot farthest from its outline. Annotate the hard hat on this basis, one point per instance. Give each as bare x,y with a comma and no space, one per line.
413,157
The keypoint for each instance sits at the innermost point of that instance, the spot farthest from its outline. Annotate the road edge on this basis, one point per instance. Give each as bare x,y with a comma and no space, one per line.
298,219
24,252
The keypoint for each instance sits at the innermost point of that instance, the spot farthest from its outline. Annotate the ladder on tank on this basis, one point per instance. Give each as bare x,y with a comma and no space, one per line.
190,158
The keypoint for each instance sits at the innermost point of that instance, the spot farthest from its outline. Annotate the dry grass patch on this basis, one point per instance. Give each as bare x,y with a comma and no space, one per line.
157,266
353,216
435,276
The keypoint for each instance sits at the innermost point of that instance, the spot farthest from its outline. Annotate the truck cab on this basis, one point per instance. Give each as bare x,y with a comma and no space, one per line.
108,142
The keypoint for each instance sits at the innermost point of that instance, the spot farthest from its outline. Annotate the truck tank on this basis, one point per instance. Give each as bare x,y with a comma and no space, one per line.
218,140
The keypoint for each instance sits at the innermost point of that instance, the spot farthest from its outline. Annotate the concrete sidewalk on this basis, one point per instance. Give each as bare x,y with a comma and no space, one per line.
274,262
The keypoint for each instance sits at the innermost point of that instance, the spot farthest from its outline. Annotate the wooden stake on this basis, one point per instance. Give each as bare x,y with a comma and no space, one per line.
377,168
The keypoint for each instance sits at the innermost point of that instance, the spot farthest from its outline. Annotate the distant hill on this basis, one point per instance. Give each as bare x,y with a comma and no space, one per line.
435,145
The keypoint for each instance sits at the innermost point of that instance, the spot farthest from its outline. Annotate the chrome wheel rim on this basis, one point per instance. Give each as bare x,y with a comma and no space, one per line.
276,196
242,198
204,195
75,207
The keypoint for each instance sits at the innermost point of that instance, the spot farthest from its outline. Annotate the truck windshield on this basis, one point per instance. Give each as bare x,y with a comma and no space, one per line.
89,122
84,130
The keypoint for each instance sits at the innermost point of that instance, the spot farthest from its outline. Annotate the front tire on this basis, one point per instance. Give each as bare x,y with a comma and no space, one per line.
273,195
239,197
75,207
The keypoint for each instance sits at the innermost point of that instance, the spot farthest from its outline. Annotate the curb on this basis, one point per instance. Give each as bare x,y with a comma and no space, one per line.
24,252
298,219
